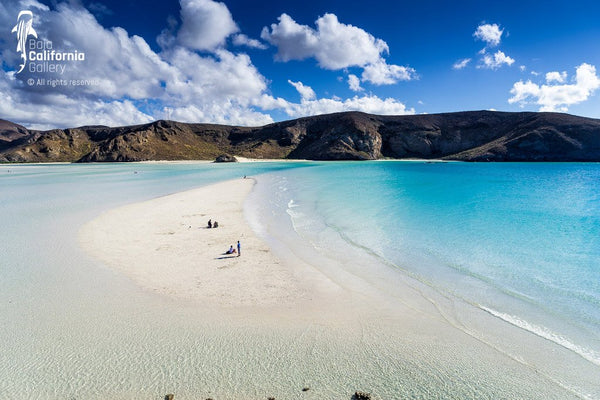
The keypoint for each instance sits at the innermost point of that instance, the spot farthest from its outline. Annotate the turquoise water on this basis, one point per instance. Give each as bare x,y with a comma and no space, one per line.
520,241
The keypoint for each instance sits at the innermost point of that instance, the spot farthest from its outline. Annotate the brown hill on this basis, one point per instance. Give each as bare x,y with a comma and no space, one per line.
11,132
468,136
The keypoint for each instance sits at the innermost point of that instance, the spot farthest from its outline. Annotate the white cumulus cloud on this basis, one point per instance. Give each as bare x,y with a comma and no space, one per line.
335,46
460,64
190,79
555,76
130,78
311,105
206,24
354,83
559,96
242,40
306,92
367,103
380,73
33,4
489,33
496,60
58,110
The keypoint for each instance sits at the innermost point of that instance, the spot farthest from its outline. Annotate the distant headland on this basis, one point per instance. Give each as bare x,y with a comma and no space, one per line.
463,136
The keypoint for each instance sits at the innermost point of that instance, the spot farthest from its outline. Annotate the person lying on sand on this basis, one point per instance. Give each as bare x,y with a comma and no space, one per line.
231,250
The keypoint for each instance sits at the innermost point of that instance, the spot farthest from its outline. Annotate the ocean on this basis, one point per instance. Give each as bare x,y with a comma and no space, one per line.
519,242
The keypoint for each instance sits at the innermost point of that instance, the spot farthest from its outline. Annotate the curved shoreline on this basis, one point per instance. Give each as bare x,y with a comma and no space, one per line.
163,245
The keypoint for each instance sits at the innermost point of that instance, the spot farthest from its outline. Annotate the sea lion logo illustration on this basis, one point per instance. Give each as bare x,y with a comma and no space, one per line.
24,28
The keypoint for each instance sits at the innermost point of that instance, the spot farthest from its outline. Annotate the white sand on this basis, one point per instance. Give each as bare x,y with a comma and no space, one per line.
164,245
349,330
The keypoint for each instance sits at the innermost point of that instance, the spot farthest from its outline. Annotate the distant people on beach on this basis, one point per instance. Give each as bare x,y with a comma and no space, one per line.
209,223
231,250
215,224
212,224
239,247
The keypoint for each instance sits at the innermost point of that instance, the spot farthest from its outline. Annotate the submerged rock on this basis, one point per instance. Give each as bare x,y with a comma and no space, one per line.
169,396
361,396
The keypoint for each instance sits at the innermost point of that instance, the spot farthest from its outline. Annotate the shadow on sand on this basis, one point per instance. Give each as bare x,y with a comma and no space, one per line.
224,257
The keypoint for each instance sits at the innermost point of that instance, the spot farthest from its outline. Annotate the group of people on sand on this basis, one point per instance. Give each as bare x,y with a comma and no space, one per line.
232,250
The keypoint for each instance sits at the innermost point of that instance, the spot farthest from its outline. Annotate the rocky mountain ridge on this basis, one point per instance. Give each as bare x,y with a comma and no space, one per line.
466,136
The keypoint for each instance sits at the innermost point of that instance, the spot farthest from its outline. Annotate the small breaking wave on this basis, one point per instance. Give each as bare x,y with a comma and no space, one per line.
547,334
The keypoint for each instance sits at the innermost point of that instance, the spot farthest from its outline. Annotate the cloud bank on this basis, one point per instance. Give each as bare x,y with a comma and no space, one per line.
556,95
193,78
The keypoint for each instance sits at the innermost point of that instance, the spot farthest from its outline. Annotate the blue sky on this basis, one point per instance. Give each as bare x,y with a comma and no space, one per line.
251,63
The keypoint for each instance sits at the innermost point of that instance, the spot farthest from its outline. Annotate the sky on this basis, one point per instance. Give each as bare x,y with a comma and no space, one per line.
252,63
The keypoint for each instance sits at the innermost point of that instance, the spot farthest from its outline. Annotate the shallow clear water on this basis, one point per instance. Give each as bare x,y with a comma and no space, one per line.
518,240
71,327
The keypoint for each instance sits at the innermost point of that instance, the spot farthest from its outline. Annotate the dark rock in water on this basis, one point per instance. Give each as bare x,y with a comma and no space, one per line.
306,389
270,398
225,158
169,396
361,396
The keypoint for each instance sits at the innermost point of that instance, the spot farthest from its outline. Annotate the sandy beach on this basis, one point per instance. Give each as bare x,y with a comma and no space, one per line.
365,334
165,246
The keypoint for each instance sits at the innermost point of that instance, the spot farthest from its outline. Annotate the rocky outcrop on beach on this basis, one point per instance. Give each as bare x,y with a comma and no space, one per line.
466,136
225,158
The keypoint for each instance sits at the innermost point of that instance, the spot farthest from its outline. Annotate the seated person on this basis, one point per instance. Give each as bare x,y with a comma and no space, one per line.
231,250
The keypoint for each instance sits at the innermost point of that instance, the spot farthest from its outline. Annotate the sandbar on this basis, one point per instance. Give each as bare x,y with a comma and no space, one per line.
165,245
